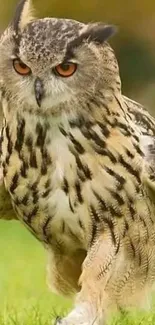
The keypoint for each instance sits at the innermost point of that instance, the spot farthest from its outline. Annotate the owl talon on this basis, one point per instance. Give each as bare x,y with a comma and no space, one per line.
58,320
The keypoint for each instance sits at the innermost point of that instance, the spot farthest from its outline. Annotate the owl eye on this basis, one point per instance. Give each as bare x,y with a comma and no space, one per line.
65,69
21,67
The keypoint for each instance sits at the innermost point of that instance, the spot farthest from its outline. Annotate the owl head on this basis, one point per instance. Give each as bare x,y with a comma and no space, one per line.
49,63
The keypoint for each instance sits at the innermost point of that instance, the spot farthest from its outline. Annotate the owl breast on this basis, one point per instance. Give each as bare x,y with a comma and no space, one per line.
69,182
40,175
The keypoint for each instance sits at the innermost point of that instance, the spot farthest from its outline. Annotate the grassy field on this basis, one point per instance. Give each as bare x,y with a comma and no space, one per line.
24,296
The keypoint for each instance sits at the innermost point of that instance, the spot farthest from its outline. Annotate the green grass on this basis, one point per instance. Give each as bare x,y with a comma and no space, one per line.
24,296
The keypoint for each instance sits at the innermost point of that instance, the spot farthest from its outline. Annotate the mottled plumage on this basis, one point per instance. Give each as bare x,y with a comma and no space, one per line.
78,163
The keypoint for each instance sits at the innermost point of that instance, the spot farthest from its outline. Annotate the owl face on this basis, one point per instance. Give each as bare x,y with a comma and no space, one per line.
46,63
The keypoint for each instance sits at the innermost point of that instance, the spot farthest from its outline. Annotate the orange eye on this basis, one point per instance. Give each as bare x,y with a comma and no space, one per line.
65,69
21,67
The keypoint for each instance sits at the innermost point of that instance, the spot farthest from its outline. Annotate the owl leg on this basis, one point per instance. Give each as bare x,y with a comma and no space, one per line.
63,271
92,300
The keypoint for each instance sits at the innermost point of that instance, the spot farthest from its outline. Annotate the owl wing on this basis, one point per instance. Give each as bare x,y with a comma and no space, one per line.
148,147
6,209
146,124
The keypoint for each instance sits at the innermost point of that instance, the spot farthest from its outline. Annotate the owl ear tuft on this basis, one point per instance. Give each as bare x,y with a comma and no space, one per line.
24,14
98,33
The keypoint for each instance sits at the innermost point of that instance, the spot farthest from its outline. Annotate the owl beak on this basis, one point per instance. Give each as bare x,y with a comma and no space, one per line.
39,90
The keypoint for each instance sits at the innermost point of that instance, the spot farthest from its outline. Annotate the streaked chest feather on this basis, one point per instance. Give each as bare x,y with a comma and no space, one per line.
66,182
41,176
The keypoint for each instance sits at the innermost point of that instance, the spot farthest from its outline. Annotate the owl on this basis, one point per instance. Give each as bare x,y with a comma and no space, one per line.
77,163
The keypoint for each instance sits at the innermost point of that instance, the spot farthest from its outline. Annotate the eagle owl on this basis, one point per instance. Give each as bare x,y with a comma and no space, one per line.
77,162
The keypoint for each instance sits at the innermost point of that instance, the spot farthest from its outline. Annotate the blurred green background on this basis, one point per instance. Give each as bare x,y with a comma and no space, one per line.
134,43
22,259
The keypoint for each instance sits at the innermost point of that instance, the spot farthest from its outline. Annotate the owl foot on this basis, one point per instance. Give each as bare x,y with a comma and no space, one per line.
77,317
68,321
